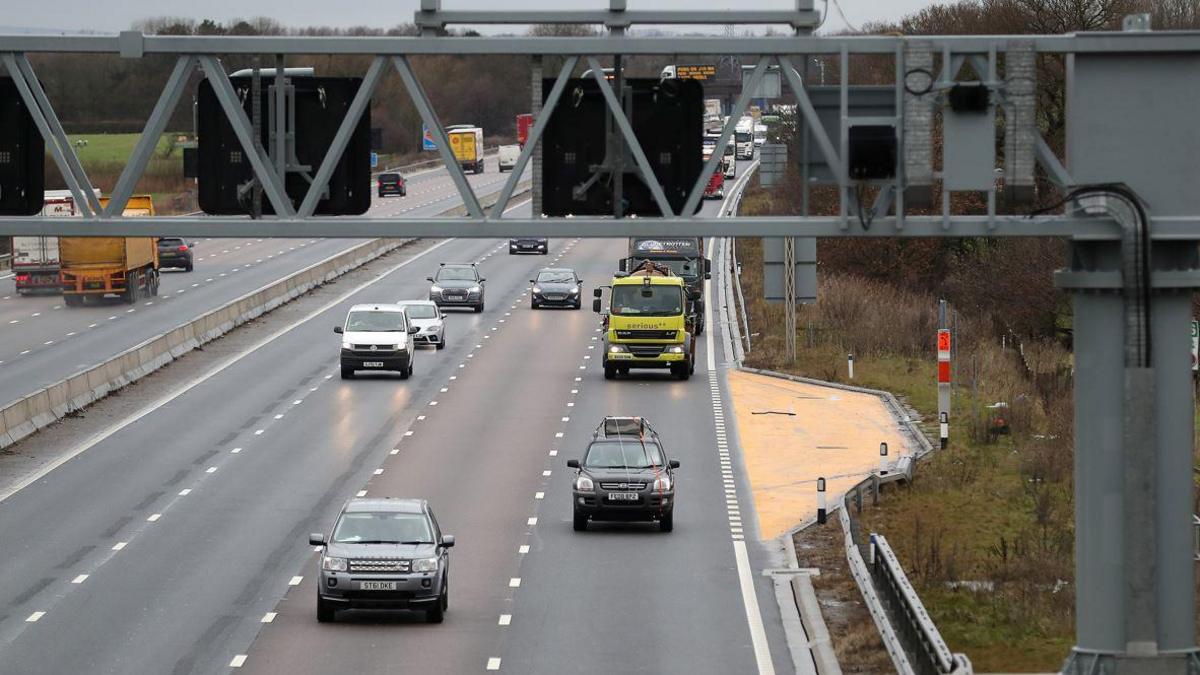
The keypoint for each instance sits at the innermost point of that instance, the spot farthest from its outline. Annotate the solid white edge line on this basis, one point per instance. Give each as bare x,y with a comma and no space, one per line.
758,633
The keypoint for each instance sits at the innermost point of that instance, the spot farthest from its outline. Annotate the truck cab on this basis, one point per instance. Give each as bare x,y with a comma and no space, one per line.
683,256
649,323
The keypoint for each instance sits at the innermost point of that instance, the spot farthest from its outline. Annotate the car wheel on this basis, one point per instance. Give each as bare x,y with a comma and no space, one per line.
579,305
667,523
580,523
347,373
610,372
407,372
479,308
325,611
533,304
438,613
442,342
189,267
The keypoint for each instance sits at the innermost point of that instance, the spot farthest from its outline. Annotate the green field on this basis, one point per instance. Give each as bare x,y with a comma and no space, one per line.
115,148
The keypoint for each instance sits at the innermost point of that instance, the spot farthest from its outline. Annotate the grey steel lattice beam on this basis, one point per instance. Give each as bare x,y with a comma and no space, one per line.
223,89
148,141
1163,228
1099,42
727,131
622,19
810,116
614,106
362,98
47,124
535,135
419,98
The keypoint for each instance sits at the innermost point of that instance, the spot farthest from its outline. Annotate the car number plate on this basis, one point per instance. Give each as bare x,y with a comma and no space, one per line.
372,364
623,496
377,585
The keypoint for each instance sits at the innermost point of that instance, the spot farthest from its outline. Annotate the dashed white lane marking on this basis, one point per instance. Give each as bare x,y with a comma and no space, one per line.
408,433
238,661
279,417
566,419
211,469
33,618
93,325
493,663
235,451
539,495
361,493
554,453
258,432
395,451
295,581
505,619
268,617
79,579
378,472
523,549
185,492
119,545
154,517
514,582
420,418
531,522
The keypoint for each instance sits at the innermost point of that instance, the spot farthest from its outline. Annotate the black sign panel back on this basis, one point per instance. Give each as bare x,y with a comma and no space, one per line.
321,105
668,122
22,156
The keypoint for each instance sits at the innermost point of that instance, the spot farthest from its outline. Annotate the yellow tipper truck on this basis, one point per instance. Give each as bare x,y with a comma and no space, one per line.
466,142
649,323
99,266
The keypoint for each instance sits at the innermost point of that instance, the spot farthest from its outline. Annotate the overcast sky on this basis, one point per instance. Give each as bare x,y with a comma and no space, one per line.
73,15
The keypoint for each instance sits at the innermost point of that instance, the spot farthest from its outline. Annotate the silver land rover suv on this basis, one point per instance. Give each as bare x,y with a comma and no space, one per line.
384,553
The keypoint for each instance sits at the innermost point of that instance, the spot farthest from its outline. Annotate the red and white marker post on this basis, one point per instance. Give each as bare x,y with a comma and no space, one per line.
943,379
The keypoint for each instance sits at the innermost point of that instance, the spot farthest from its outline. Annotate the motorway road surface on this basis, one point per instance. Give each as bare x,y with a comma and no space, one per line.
161,551
42,341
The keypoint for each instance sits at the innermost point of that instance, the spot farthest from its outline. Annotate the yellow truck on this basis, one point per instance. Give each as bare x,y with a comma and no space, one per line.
99,266
649,324
466,142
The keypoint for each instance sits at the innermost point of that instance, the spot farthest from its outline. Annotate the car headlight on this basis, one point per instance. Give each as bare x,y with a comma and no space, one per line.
476,289
347,345
400,347
676,349
575,290
662,483
425,565
537,289
435,289
584,484
616,349
333,564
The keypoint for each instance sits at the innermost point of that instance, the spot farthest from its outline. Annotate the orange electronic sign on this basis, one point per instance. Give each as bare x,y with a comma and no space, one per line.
696,72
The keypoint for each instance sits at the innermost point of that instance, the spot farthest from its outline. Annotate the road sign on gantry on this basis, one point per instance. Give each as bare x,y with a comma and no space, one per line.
22,156
319,104
577,171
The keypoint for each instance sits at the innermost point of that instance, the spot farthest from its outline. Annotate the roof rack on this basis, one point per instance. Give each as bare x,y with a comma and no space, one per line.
613,426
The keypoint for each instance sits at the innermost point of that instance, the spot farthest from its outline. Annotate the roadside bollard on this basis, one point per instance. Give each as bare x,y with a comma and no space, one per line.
944,429
850,365
820,501
882,458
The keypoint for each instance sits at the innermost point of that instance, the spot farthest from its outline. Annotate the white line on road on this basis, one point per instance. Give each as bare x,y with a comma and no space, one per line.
119,545
295,581
493,663
238,661
505,619
154,517
79,579
32,618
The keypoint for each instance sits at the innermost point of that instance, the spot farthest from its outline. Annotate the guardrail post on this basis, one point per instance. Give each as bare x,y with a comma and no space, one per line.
883,458
850,366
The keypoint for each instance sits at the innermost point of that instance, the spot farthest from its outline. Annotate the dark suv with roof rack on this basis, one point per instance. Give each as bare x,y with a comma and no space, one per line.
624,476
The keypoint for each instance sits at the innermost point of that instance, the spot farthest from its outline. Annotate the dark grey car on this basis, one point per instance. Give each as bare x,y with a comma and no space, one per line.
457,285
384,554
624,476
557,287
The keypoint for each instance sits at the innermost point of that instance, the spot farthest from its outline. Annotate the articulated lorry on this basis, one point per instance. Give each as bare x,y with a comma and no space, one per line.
98,266
649,323
466,142
683,256
35,263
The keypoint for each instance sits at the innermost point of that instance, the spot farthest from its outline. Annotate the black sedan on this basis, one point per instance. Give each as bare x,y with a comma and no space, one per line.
556,287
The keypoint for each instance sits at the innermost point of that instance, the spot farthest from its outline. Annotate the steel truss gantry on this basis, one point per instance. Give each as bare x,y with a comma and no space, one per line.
1131,273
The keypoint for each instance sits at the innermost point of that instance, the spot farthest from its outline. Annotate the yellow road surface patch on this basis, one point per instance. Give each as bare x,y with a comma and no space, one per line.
831,433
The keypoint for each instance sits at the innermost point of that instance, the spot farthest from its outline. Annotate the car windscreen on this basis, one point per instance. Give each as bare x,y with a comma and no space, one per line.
456,274
374,322
743,136
682,268
382,527
628,453
421,311
642,300
555,278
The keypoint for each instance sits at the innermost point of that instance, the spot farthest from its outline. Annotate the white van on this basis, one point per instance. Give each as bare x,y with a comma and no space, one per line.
508,157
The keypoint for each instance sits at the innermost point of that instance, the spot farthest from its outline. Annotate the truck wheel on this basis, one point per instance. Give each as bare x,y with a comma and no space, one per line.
130,295
325,612
154,281
73,300
667,524
580,522
610,372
